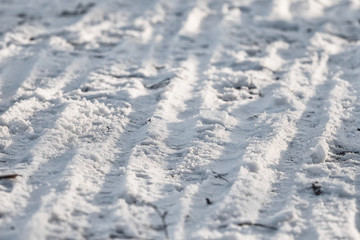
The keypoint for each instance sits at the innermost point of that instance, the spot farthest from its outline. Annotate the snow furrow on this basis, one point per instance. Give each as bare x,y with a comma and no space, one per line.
49,166
152,146
299,176
140,119
345,147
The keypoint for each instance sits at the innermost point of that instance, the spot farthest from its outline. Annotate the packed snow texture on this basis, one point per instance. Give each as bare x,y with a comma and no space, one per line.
191,119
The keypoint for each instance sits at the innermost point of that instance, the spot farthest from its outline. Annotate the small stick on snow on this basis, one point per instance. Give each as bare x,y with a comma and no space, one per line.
256,224
163,219
117,236
10,176
221,176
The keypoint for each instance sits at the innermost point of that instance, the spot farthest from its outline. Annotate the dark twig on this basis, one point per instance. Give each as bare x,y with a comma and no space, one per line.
220,176
80,10
158,212
114,236
159,67
163,219
10,176
343,153
132,75
160,84
256,225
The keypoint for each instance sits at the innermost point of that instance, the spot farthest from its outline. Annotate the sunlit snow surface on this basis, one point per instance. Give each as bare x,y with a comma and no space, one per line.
183,119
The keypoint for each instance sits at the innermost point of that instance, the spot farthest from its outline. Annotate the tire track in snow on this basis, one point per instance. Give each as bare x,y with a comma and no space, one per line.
293,208
11,79
155,146
284,138
45,206
280,139
27,44
33,162
109,192
308,128
73,183
78,188
71,130
18,118
338,178
338,183
178,145
206,183
256,159
182,169
50,75
220,175
104,218
50,66
17,200
302,213
345,147
40,46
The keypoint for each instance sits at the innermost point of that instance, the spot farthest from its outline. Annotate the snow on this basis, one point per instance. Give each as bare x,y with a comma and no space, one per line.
179,119
320,152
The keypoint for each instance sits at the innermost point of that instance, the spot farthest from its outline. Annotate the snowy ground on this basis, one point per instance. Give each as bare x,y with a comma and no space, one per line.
158,119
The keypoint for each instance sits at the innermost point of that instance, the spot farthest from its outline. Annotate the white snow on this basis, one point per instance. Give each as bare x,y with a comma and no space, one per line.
320,152
179,119
193,22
